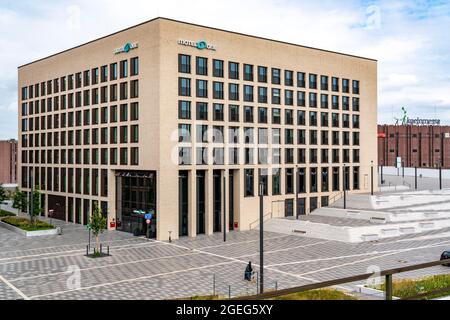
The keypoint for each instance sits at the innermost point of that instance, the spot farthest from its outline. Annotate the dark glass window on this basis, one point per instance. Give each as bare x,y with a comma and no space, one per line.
248,114
335,84
324,83
313,81
276,76
249,182
218,90
184,63
301,100
184,110
355,87
233,113
276,96
248,93
184,87
233,93
289,78
202,111
233,70
218,112
248,72
262,95
202,66
218,68
202,89
276,116
262,74
134,66
262,115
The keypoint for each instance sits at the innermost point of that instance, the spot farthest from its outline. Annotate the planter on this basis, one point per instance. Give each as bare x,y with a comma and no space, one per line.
40,233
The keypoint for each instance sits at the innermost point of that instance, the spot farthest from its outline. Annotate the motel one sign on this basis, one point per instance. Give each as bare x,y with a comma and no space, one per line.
200,45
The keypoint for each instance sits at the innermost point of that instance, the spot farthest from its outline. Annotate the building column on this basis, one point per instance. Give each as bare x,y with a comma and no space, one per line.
192,194
111,197
209,199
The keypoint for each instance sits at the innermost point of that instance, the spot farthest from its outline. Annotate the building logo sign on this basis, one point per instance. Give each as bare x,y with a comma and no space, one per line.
126,48
405,120
200,45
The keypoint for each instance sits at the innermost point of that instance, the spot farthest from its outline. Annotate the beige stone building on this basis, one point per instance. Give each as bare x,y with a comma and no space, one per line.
164,116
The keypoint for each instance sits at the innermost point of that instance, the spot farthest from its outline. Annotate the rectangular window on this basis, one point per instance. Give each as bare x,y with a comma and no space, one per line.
262,74
184,63
233,70
276,76
184,87
184,109
218,68
262,95
248,72
113,71
123,69
289,78
202,111
134,66
233,113
324,83
249,182
202,89
202,66
218,90
248,93
233,92
218,112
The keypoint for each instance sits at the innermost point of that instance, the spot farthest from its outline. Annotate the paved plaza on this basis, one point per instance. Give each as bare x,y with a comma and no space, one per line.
145,269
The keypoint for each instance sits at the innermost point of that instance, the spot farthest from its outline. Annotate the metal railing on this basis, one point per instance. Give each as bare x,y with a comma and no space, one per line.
266,218
388,274
336,198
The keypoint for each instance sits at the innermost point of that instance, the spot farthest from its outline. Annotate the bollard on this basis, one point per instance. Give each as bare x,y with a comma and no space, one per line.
276,285
101,249
87,251
108,250
229,292
214,285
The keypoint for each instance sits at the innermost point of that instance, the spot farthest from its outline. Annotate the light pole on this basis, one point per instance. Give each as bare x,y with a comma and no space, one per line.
440,176
297,187
371,178
224,206
345,185
415,174
261,238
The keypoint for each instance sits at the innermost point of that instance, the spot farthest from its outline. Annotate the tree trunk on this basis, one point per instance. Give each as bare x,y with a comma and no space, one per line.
97,243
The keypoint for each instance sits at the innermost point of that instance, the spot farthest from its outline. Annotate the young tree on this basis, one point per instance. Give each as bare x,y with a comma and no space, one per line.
37,209
20,201
2,195
98,226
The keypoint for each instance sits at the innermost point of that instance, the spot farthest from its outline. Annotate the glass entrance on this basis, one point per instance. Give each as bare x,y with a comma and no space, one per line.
136,196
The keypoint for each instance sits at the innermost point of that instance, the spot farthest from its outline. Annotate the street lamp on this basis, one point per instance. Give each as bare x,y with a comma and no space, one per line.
224,206
371,178
344,181
261,237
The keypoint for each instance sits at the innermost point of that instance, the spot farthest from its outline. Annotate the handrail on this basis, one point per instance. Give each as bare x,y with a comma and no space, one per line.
337,197
264,219
387,273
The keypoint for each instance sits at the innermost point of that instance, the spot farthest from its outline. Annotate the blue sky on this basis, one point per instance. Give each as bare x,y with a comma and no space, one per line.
410,39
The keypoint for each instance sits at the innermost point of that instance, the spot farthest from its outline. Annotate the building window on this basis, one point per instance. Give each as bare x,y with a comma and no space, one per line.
202,134
312,100
301,79
262,95
276,76
276,182
218,90
276,96
123,69
184,156
113,71
233,113
233,92
184,133
134,156
184,87
248,114
289,181
345,86
262,74
134,111
289,78
218,68
313,81
264,181
289,97
202,66
276,116
134,88
301,99
218,112
355,87
134,66
233,70
184,63
249,182
202,89
335,84
202,111
262,115
248,72
248,93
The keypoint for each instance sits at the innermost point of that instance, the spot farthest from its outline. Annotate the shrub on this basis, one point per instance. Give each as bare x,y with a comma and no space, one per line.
25,224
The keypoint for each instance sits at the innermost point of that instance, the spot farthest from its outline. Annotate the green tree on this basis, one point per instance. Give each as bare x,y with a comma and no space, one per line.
2,195
37,209
20,201
98,226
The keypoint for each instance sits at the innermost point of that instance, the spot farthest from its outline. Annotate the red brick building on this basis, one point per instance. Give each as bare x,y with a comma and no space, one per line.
421,146
8,162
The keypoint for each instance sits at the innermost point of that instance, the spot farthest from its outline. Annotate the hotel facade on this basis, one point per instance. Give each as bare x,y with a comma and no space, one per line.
190,124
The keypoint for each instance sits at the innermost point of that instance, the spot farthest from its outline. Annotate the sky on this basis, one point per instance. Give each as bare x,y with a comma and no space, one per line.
409,38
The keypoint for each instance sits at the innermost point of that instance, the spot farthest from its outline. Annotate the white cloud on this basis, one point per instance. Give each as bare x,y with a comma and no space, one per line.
410,39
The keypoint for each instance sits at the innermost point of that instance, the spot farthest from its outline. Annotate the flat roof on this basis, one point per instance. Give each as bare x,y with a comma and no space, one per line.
201,26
